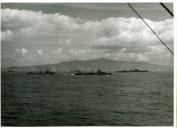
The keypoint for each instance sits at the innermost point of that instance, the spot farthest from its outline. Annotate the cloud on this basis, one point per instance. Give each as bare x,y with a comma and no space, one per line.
127,49
6,35
18,19
21,51
40,52
62,37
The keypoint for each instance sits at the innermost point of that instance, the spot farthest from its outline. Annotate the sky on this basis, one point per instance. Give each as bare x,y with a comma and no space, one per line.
38,33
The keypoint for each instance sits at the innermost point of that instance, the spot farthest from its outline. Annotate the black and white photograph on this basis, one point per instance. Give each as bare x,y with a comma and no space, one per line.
87,64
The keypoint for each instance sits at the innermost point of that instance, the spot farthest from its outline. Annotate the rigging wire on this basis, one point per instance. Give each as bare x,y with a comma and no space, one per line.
150,28
163,5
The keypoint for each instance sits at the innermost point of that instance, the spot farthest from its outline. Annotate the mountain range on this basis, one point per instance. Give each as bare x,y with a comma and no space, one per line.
93,64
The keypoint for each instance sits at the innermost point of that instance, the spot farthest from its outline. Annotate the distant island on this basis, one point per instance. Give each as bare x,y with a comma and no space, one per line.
133,70
107,65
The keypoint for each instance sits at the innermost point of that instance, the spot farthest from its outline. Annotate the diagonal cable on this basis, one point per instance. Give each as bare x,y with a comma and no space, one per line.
150,28
163,5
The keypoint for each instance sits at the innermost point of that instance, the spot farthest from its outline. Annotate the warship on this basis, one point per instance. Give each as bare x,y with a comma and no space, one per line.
47,72
98,72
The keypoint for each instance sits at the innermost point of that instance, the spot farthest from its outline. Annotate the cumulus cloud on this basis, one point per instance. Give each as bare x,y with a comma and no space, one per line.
63,37
6,35
21,19
40,52
21,51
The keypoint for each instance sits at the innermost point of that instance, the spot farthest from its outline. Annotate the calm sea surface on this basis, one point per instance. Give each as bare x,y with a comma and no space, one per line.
123,99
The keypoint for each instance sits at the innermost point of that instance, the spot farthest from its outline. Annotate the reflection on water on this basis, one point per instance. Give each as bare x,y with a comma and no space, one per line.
123,99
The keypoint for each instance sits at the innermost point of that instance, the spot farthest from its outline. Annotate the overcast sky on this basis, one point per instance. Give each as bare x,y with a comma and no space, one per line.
33,34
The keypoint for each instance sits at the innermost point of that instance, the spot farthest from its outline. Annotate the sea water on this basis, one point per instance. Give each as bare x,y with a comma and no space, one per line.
122,99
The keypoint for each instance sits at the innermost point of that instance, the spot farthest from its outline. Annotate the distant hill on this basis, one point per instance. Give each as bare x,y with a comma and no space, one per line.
94,64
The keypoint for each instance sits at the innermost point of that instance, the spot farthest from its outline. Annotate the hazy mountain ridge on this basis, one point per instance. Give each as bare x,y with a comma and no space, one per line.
94,64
